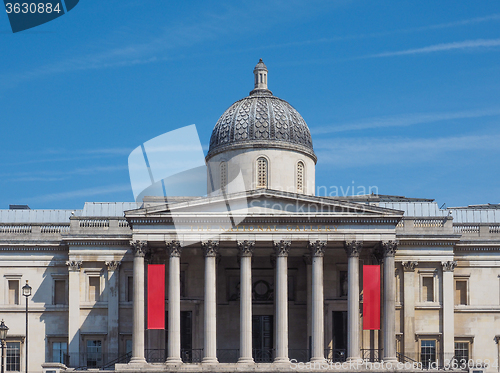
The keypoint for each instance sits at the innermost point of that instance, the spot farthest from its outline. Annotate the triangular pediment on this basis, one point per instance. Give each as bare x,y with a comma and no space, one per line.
264,203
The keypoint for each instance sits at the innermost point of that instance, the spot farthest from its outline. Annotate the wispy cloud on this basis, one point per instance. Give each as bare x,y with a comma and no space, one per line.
355,152
61,155
471,21
85,193
404,120
201,28
465,22
461,45
59,174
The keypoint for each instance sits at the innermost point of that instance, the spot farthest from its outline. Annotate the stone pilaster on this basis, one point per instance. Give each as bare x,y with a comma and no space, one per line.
353,249
211,250
245,251
448,309
281,249
74,312
174,303
389,251
113,306
409,307
317,249
139,249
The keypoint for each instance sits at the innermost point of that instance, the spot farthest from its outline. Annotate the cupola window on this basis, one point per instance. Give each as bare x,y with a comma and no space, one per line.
262,176
300,177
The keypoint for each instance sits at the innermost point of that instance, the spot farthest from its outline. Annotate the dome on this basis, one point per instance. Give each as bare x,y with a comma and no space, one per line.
261,120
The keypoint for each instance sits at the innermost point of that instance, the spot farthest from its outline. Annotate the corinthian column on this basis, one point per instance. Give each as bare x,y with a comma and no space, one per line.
211,249
174,303
353,249
389,250
246,251
281,248
318,326
139,248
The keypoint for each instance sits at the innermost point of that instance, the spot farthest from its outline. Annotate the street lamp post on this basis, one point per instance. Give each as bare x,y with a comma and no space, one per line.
3,336
27,294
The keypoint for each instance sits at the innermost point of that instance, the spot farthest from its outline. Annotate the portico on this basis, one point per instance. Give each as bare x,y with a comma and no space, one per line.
264,250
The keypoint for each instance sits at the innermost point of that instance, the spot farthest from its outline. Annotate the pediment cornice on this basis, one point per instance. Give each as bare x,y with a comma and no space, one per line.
296,206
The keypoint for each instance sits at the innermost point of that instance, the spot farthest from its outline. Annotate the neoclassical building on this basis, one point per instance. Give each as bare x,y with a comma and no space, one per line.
261,278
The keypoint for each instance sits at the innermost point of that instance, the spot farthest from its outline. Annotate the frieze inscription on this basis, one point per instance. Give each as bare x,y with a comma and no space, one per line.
264,228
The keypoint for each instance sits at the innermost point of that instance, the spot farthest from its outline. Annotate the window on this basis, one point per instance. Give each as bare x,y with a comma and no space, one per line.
427,352
60,292
262,172
343,284
223,175
300,177
60,352
460,292
183,283
427,289
128,346
130,289
94,289
13,291
13,357
462,352
94,353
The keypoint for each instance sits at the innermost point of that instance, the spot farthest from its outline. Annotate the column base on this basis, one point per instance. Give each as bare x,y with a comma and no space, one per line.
391,360
354,360
281,360
245,360
138,360
173,361
210,360
318,360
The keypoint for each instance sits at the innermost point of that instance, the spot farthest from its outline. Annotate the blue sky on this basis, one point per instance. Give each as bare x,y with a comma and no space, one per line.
400,95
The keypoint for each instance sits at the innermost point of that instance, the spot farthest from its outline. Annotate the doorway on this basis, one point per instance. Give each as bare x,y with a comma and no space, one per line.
262,338
339,336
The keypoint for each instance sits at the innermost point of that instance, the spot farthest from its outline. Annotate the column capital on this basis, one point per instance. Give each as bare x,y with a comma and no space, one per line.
74,265
389,248
317,248
246,247
409,266
281,248
449,266
210,248
174,248
113,265
353,248
139,248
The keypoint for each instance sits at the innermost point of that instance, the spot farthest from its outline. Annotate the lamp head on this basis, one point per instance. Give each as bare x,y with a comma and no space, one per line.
27,290
3,331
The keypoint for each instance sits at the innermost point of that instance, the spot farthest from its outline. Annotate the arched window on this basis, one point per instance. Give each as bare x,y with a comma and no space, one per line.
223,175
300,177
262,172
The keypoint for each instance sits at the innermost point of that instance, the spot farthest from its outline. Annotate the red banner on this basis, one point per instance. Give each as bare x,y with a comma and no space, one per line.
156,296
371,297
